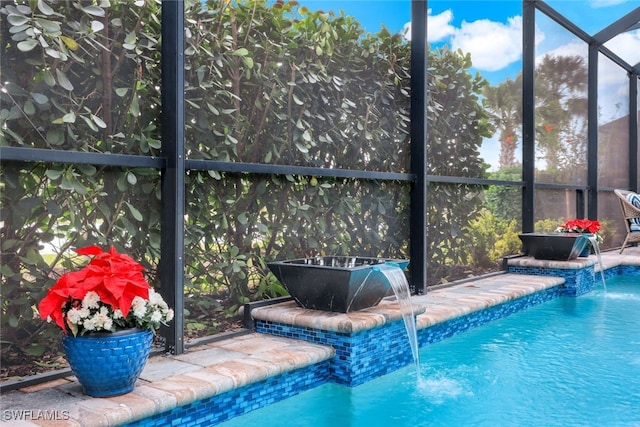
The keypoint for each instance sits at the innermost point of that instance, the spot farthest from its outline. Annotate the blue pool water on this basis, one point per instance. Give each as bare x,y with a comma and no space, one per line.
567,362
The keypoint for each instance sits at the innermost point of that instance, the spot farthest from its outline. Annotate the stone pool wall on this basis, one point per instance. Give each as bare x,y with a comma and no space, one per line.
364,352
222,407
360,356
579,274
367,343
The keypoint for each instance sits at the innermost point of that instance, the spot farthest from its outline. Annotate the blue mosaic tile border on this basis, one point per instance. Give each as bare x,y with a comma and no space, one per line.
368,354
628,270
216,409
360,357
611,272
457,325
577,281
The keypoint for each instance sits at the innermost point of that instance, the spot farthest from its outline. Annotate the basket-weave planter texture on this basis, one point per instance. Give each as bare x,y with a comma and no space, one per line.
108,364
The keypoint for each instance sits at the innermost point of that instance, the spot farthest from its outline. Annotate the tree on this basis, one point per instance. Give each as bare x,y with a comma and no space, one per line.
561,109
282,84
457,123
504,104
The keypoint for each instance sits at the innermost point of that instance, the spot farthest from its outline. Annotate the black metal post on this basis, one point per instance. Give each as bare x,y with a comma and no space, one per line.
579,204
418,220
172,240
633,131
592,133
528,114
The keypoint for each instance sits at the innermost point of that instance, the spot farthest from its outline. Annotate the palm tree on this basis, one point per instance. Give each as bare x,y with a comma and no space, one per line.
561,105
504,106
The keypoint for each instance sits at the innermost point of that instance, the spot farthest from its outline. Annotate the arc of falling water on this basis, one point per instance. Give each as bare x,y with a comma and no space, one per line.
400,286
594,242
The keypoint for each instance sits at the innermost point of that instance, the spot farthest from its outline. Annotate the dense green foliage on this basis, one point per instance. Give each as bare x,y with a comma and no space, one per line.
73,77
316,91
265,84
457,123
504,201
491,238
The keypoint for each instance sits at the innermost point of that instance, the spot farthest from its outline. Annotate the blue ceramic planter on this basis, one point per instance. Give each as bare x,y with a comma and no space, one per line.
108,364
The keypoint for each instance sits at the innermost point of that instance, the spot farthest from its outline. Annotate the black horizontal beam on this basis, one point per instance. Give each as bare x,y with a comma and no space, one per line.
22,154
580,33
474,181
560,19
25,154
486,182
615,58
270,169
560,186
624,24
35,379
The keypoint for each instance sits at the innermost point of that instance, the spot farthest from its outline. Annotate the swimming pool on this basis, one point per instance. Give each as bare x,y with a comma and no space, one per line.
569,361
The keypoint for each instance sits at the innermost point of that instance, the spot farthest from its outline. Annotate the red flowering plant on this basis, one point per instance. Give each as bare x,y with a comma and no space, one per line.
109,293
585,226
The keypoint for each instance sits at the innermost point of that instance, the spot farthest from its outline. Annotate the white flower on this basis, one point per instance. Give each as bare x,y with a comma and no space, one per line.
74,316
157,300
169,315
89,324
156,316
117,314
139,307
108,324
154,297
91,300
101,319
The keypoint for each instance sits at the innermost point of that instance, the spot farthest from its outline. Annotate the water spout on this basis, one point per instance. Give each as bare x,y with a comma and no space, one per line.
596,248
333,283
394,273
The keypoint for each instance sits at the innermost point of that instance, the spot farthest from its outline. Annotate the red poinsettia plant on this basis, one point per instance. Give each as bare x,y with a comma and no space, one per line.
585,226
109,293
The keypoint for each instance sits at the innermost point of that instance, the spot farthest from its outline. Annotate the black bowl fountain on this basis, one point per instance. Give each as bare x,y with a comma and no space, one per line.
335,283
553,246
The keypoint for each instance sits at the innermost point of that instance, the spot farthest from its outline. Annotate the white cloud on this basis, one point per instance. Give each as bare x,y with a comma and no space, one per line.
626,46
496,45
406,31
575,48
492,45
613,91
438,28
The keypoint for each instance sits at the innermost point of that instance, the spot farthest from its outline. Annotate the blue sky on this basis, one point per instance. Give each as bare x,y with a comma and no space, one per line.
491,31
